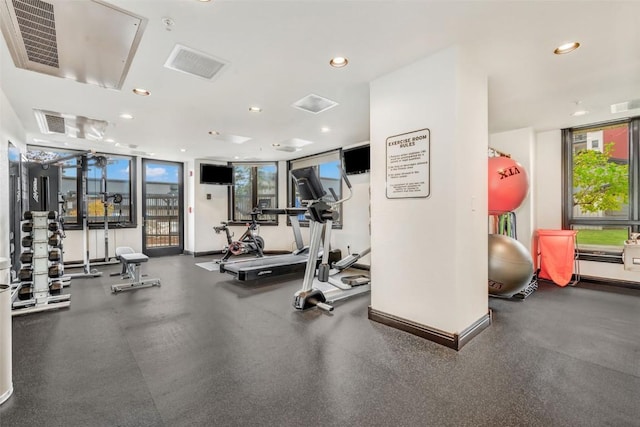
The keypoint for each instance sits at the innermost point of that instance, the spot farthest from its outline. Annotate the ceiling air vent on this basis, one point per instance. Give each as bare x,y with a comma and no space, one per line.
625,106
38,30
191,61
314,104
73,126
87,41
55,124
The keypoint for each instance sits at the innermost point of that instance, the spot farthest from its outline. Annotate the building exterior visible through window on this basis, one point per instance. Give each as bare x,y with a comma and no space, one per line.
602,182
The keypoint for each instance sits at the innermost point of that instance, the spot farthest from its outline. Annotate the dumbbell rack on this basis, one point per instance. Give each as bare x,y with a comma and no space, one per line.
41,269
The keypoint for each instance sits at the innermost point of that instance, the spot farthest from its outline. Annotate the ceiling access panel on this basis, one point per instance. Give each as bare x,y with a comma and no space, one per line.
87,41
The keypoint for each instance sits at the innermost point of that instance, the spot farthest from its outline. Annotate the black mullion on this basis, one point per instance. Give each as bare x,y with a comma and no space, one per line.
254,186
634,169
567,179
81,197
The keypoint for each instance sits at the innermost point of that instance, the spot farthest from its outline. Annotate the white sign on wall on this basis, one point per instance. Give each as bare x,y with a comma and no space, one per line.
408,165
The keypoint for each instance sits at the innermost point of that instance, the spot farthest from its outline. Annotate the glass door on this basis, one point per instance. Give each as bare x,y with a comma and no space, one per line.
162,208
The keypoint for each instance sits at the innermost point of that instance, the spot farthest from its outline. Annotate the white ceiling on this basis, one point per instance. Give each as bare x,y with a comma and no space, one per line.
278,52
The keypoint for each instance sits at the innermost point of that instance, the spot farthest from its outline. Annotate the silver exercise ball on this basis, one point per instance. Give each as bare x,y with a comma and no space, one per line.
510,265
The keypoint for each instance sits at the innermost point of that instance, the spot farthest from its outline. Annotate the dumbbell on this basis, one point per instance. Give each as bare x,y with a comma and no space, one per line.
28,216
25,275
54,240
26,257
27,241
55,255
52,215
25,292
53,226
55,271
27,227
55,287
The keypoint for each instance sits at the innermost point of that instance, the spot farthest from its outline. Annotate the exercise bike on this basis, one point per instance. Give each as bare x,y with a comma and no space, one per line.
248,243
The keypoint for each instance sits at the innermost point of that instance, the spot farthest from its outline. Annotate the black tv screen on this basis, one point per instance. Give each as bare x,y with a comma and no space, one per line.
216,174
357,160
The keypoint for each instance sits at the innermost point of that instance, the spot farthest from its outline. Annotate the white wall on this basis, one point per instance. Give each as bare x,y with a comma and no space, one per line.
429,256
520,145
207,213
10,130
73,243
190,200
548,180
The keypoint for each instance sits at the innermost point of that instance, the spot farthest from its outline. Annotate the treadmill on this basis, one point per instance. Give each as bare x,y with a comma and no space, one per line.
273,265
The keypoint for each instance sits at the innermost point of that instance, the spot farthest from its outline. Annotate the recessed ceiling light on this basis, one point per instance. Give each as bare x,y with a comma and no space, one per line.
338,62
214,132
117,144
126,116
255,109
183,150
579,113
141,92
324,129
151,154
566,48
236,157
275,144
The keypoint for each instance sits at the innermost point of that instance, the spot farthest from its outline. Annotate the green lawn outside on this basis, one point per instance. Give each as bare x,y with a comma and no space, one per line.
602,237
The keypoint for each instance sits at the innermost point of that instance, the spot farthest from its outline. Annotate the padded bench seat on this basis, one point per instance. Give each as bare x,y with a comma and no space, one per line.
131,261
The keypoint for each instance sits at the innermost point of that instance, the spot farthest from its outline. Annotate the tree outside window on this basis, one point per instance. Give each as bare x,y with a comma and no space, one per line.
255,185
601,176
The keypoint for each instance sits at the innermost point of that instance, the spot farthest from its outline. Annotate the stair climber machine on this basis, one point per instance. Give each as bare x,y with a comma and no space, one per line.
329,283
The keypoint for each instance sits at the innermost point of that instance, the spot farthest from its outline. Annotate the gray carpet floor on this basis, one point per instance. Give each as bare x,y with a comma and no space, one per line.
205,350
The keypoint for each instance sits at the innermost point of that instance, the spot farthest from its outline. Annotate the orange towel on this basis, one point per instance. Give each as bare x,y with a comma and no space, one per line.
557,255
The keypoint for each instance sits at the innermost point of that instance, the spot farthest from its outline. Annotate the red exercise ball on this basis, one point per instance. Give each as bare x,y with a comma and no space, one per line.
508,185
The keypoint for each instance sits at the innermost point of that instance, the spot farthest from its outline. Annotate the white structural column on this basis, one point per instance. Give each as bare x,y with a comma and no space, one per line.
429,255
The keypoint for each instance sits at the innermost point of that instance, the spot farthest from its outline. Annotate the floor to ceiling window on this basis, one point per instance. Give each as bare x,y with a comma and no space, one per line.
602,186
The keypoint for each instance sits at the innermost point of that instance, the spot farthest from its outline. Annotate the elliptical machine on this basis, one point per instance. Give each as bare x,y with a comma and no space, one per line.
324,289
249,242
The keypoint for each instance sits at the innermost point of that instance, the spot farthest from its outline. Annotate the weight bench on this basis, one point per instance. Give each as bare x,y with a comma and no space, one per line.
131,261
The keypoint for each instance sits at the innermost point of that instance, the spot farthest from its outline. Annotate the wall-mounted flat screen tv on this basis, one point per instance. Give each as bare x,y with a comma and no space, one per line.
216,174
357,160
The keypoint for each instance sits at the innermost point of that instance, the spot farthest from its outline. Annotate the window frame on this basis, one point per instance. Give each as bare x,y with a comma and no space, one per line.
132,221
93,225
304,222
632,223
254,192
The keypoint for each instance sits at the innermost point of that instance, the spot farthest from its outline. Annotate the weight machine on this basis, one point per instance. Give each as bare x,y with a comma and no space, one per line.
107,200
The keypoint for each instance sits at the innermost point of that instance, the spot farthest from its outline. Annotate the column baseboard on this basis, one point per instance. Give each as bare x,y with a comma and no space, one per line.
453,341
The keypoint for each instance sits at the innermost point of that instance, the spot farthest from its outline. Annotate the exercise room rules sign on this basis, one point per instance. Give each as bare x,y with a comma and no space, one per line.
408,165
